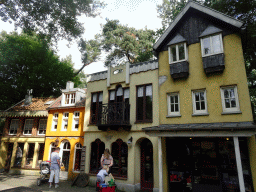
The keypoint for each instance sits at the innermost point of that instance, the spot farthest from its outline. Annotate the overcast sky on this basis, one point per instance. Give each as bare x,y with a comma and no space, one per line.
134,13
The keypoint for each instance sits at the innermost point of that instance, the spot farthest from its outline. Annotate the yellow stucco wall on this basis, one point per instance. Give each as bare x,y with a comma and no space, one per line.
234,74
73,137
108,137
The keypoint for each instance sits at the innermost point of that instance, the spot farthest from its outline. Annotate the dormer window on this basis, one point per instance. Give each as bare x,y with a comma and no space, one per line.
212,45
70,98
177,53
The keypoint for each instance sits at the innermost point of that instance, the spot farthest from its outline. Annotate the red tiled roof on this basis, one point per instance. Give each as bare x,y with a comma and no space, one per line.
38,104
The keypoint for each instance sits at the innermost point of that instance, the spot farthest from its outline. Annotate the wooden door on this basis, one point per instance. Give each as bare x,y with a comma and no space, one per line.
147,173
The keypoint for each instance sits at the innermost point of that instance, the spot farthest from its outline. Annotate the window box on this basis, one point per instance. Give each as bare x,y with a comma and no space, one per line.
199,102
229,98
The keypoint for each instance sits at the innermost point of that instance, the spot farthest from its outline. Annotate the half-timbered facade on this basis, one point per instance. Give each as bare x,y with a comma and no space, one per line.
22,143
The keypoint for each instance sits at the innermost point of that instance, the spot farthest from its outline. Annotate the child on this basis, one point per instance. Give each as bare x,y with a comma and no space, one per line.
102,174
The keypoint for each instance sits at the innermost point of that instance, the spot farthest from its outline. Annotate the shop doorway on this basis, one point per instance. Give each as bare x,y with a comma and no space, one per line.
146,165
64,154
205,164
8,157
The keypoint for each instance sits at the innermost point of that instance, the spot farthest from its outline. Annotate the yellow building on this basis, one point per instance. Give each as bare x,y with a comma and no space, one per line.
22,144
206,132
120,102
65,130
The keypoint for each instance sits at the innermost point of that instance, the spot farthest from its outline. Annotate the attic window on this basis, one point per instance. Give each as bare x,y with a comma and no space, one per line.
70,98
177,53
118,71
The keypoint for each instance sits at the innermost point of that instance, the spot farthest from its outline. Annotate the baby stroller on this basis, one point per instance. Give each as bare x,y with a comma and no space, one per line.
44,172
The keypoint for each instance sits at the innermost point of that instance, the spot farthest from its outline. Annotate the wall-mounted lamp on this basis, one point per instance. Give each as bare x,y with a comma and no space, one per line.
129,141
57,142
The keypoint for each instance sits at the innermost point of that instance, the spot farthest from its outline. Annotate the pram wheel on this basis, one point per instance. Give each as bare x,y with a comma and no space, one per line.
38,181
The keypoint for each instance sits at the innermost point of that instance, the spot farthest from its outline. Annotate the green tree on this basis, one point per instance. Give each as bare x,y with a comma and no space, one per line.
123,43
55,18
27,62
241,10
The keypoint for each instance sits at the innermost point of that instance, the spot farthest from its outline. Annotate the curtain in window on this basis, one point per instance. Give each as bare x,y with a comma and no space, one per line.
112,95
119,91
126,93
140,91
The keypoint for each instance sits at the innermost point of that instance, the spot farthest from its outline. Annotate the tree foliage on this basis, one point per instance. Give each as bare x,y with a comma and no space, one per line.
241,10
123,43
26,62
56,18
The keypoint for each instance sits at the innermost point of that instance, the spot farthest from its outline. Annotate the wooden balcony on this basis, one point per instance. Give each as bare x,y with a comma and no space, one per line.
114,116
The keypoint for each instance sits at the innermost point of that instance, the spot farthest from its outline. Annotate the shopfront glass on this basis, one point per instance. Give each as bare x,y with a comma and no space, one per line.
206,164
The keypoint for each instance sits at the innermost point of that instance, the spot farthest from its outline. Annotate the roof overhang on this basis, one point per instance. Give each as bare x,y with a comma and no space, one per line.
24,114
218,15
240,129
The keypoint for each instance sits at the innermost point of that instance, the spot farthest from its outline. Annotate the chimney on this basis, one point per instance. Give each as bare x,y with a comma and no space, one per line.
70,85
28,97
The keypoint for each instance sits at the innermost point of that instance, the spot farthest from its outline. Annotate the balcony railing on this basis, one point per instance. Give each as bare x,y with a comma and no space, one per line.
114,114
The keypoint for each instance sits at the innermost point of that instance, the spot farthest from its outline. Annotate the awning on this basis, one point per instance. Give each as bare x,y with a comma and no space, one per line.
24,114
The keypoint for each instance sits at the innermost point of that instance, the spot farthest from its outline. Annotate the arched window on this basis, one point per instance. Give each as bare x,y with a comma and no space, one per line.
65,154
97,149
77,156
120,156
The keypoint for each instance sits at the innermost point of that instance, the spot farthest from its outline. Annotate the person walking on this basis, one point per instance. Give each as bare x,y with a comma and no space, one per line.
106,159
55,167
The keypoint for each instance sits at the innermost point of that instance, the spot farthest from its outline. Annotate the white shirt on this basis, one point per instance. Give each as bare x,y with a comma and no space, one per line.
102,173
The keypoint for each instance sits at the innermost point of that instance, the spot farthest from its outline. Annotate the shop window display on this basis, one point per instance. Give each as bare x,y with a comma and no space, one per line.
119,154
205,164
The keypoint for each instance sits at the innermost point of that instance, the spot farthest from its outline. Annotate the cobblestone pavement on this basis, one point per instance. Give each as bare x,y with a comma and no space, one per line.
25,183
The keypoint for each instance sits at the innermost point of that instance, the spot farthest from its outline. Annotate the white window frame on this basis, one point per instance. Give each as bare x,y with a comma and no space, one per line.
71,99
64,121
75,157
75,118
172,114
199,112
27,129
177,53
39,126
12,126
233,109
55,120
210,36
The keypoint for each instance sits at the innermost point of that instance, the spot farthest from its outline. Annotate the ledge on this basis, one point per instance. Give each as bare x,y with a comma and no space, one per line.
142,122
172,116
200,114
231,112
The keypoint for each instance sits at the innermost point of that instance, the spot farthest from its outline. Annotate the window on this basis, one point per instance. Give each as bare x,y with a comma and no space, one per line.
42,126
65,155
229,97
97,149
211,45
77,157
55,121
30,155
76,120
96,106
177,53
120,156
199,102
65,122
19,155
144,103
70,99
28,126
40,154
173,103
14,126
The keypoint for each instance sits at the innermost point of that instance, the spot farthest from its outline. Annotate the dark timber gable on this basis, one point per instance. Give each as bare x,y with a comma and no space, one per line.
192,25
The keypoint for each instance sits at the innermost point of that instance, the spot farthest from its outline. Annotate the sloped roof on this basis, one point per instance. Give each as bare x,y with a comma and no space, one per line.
38,104
37,108
194,5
